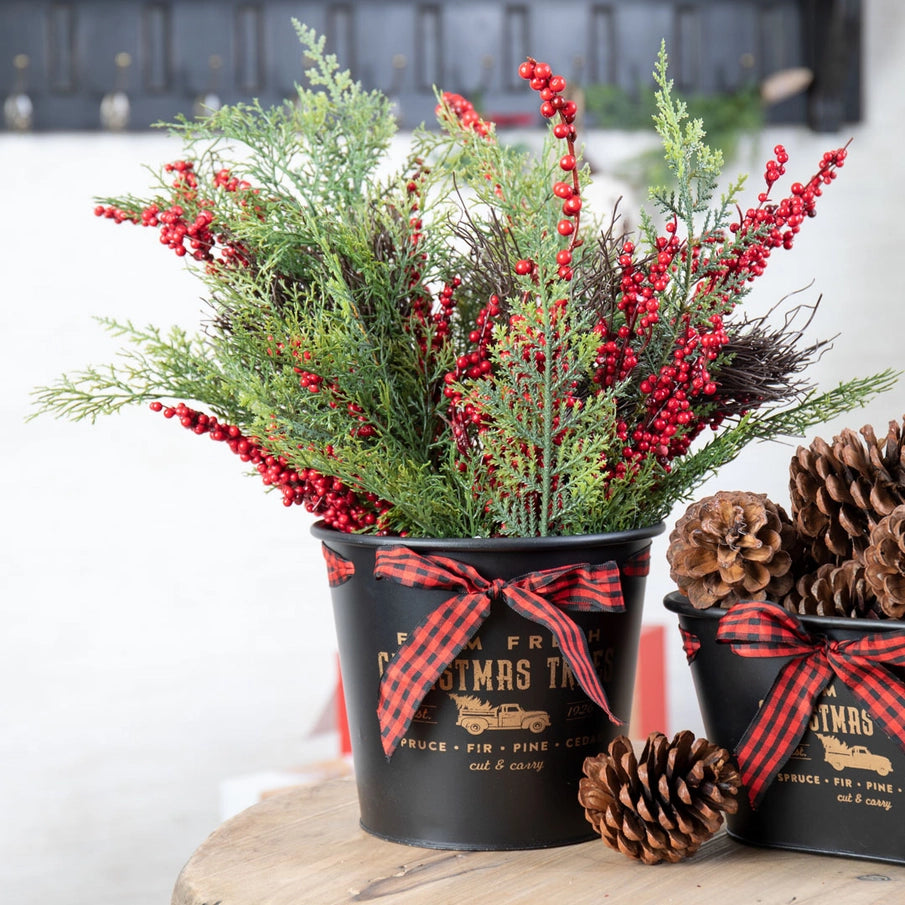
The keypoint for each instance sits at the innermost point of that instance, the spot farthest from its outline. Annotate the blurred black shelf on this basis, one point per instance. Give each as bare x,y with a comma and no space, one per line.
67,58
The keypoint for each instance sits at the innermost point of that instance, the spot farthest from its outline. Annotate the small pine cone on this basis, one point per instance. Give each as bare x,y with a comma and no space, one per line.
884,563
663,805
732,546
834,591
840,491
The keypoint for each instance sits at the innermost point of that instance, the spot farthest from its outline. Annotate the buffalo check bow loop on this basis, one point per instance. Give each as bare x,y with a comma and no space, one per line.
538,596
756,629
339,569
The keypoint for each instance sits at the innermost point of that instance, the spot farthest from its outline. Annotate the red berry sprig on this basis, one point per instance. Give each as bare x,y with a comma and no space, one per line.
769,225
326,497
428,318
466,420
463,112
551,87
187,223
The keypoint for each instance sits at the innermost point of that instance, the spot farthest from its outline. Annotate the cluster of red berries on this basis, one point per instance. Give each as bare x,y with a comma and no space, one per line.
187,223
772,224
428,319
466,419
464,112
326,497
550,87
671,418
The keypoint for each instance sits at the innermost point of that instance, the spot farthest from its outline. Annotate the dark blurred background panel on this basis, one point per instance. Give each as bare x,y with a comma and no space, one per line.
120,64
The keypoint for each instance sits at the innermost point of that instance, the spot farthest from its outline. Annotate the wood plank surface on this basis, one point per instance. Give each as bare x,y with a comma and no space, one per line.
304,846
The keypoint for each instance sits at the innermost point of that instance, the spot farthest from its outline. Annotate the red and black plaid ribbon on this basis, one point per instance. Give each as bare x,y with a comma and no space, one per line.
339,569
756,629
538,596
637,566
691,644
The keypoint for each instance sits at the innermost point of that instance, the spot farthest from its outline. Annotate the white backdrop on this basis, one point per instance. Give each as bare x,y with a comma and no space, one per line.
165,624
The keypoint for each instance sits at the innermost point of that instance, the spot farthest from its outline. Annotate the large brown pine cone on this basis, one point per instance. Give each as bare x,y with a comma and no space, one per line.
840,491
884,563
663,805
732,546
834,591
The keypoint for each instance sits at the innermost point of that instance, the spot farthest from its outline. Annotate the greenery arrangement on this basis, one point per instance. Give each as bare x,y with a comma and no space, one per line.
461,348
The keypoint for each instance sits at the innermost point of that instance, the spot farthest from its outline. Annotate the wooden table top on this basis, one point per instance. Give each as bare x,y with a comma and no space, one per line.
304,845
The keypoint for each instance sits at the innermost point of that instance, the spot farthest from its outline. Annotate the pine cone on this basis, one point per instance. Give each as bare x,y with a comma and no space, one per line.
840,492
732,546
663,805
834,591
884,563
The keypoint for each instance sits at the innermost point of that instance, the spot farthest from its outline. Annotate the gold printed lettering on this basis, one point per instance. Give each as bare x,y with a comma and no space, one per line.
504,675
523,675
481,675
460,666
837,718
486,675
560,673
838,714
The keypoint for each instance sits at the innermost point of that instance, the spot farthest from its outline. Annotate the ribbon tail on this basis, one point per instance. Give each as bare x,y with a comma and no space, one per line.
779,725
571,640
422,659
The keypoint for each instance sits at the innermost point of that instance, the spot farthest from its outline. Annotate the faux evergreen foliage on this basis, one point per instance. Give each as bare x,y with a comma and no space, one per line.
462,348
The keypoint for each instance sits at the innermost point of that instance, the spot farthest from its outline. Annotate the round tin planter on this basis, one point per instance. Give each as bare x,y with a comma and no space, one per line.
842,790
493,756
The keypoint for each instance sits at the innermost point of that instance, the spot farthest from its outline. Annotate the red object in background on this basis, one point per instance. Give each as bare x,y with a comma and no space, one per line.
649,705
342,722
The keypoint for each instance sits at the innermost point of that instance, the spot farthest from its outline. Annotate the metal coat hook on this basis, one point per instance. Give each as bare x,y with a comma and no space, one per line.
18,110
115,105
209,102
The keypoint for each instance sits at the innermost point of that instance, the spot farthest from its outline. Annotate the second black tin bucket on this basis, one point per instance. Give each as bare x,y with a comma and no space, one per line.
842,790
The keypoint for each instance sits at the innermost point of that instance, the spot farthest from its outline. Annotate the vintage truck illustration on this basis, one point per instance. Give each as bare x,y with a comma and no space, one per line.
840,755
476,716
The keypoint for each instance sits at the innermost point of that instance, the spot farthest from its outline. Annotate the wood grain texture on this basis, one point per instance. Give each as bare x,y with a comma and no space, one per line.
305,846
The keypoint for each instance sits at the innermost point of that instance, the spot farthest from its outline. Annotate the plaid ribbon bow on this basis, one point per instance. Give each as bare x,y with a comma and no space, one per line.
691,644
539,596
755,629
339,569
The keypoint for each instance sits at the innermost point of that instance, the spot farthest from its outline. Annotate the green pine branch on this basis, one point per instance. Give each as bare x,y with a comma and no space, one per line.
816,408
151,367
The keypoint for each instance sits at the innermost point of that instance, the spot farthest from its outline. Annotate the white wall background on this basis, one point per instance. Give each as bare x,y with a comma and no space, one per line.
165,625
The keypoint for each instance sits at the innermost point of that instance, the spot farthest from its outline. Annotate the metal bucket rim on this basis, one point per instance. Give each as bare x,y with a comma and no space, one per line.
678,603
488,544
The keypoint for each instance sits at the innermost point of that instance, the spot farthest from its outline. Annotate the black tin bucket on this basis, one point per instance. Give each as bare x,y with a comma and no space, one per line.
493,757
842,791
